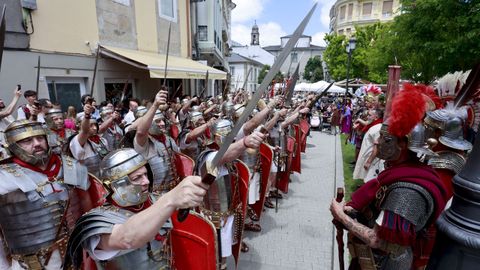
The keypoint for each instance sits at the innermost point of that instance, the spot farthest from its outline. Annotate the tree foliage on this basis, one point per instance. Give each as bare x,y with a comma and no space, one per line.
313,70
263,73
428,39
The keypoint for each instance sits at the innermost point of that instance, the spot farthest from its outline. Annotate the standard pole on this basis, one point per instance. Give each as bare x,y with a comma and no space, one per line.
348,73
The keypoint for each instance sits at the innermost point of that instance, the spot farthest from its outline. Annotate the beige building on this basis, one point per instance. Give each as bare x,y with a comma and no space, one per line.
346,14
131,35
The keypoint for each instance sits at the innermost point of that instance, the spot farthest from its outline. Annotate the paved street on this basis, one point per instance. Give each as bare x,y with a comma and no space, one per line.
300,235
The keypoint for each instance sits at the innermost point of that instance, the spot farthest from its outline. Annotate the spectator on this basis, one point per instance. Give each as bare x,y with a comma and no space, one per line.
70,121
24,111
130,116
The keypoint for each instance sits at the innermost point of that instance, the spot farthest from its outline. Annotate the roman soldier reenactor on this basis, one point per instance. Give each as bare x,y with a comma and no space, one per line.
57,134
132,229
156,146
39,204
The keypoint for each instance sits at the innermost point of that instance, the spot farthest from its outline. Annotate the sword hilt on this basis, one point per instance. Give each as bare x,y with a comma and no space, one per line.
183,213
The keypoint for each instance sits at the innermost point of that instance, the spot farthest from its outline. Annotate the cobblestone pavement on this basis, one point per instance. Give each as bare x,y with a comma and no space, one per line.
300,235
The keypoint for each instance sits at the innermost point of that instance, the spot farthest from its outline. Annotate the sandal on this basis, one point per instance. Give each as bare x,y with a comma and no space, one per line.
252,227
253,216
276,195
244,247
269,204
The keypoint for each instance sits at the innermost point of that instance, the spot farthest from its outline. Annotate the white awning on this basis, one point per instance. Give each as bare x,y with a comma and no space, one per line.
177,67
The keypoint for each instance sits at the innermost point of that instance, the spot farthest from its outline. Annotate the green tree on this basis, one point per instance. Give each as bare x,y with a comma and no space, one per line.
279,77
313,70
262,73
335,56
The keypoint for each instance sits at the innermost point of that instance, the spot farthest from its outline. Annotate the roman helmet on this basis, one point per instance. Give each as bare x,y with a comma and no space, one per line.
238,110
196,119
221,129
407,110
228,109
105,113
51,113
114,170
22,129
154,128
141,111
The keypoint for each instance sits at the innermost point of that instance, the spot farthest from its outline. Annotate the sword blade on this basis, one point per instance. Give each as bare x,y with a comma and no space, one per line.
291,86
38,75
2,33
246,79
166,57
264,85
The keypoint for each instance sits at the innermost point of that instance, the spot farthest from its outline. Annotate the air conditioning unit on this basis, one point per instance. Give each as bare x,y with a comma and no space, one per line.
29,4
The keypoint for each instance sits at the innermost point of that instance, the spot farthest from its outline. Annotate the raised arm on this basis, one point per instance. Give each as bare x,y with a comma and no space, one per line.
9,109
142,227
85,124
144,122
237,148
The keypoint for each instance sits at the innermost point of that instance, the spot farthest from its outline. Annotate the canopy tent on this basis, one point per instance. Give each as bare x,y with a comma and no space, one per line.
177,67
318,87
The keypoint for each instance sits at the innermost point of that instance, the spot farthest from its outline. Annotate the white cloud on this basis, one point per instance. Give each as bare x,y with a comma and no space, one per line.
247,10
270,33
241,34
325,13
317,39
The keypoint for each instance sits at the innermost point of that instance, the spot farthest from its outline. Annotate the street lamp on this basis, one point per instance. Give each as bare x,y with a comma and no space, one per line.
350,47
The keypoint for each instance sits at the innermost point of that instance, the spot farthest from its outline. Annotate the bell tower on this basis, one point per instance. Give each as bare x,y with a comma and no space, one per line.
255,35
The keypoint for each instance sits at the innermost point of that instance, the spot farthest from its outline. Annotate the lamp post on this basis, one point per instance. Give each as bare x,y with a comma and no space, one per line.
350,47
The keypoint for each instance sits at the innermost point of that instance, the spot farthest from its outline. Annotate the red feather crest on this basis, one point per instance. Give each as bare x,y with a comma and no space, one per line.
408,109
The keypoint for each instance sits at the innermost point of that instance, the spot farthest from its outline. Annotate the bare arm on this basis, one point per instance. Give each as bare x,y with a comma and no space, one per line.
189,193
144,122
85,125
367,235
289,120
257,120
207,111
104,126
9,109
236,149
197,132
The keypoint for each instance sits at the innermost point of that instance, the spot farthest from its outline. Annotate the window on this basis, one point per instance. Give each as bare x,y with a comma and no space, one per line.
340,32
66,91
202,33
168,9
367,9
387,8
232,70
350,11
349,31
123,2
342,12
294,57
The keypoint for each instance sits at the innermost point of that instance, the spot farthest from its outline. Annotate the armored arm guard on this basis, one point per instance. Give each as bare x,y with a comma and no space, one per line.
96,222
410,201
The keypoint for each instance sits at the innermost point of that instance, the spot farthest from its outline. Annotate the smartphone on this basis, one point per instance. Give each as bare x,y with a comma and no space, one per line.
19,86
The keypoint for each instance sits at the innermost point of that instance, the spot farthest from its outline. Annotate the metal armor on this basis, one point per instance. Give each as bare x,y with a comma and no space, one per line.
250,158
55,141
408,200
164,174
113,136
154,255
448,160
37,214
222,198
93,162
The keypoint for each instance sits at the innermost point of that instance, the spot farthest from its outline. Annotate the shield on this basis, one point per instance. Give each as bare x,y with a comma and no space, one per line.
266,158
174,132
193,243
94,196
305,127
183,164
297,157
283,177
244,177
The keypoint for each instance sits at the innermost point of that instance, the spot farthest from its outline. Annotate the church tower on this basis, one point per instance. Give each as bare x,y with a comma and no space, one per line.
255,35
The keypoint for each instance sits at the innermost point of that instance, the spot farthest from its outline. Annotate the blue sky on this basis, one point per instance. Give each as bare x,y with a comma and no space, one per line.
277,18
